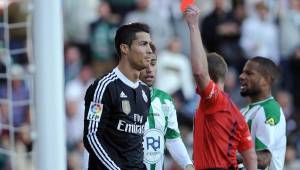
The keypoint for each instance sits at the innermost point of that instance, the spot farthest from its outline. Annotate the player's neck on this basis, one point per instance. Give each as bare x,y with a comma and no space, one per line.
129,72
260,96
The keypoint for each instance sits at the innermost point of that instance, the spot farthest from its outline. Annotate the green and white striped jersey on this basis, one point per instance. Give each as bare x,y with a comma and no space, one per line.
161,125
267,124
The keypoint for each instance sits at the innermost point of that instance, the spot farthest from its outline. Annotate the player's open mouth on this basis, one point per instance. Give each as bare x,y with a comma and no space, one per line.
243,86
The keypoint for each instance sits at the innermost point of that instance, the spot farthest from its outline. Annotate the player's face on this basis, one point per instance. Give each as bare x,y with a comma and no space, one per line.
140,51
148,75
251,80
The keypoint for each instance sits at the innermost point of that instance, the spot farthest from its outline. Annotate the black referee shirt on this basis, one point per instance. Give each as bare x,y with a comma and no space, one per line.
114,120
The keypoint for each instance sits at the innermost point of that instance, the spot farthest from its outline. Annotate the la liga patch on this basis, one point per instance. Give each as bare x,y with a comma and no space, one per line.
95,111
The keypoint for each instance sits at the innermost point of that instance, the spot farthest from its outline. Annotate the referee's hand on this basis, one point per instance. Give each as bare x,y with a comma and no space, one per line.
191,15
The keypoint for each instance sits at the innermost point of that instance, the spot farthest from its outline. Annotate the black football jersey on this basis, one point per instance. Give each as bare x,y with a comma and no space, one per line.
114,120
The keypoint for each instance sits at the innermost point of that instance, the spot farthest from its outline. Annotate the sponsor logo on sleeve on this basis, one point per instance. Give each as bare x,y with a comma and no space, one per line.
95,111
270,121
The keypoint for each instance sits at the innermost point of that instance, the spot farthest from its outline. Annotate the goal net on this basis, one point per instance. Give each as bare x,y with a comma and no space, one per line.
17,120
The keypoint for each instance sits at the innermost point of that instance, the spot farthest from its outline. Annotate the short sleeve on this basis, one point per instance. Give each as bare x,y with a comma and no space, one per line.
211,97
207,91
210,91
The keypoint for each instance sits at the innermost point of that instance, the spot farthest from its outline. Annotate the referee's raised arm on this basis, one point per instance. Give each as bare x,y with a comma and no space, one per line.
198,54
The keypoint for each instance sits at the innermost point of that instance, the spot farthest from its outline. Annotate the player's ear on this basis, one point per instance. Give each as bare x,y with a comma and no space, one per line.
269,79
124,49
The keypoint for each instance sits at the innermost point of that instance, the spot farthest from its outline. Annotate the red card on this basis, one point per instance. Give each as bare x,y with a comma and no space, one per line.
185,3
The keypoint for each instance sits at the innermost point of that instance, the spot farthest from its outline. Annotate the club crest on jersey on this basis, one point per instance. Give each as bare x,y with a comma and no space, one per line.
126,106
144,96
95,111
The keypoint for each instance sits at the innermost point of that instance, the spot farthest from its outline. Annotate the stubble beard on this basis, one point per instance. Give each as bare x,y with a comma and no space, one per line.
250,93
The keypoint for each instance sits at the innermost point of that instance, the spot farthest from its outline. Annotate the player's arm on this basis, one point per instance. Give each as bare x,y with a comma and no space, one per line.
179,153
88,99
96,104
249,159
174,143
263,159
198,54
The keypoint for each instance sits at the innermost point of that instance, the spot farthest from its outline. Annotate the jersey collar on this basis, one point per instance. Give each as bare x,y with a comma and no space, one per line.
125,80
262,101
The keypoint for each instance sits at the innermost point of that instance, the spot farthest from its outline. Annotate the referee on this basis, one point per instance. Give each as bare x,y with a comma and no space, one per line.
116,105
219,128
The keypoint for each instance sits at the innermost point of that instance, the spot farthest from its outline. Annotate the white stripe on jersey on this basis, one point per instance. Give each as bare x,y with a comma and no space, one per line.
97,91
99,153
101,92
93,125
98,86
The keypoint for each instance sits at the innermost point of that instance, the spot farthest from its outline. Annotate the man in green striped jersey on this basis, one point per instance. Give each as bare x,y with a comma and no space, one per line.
161,129
264,115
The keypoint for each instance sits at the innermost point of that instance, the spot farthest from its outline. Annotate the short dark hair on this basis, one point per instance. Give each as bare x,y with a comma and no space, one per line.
217,67
267,68
127,33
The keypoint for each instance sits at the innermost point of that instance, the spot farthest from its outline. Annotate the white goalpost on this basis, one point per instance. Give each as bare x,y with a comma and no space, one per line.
49,84
40,142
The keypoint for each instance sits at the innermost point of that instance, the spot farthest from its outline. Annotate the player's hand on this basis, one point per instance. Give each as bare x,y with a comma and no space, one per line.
191,15
189,167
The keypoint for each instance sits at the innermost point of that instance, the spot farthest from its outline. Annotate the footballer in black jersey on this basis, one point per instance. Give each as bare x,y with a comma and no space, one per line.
116,106
115,115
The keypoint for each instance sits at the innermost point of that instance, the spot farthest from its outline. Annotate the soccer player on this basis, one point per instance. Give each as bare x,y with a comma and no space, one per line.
161,128
116,106
265,118
219,128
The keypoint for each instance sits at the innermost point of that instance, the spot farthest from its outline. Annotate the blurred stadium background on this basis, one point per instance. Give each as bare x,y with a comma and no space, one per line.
34,43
